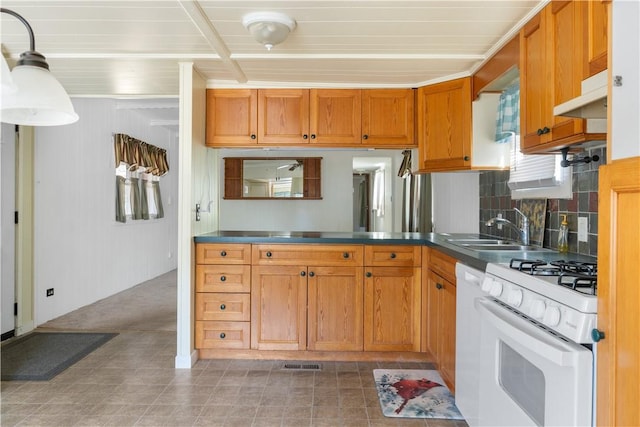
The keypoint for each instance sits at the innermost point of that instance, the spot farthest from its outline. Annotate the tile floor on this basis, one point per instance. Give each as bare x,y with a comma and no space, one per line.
131,381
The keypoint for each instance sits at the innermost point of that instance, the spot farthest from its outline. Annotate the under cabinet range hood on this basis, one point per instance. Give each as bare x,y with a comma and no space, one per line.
591,104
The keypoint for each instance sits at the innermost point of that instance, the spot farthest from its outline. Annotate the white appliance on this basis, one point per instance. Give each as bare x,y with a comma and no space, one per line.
468,289
536,358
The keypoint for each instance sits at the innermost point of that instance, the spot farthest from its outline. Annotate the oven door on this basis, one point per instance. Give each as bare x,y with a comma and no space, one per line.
529,375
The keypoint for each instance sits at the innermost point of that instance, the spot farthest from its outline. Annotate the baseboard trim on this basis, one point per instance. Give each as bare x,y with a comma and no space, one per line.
186,362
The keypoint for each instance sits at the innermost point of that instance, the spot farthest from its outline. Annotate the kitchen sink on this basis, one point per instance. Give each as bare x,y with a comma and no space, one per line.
494,245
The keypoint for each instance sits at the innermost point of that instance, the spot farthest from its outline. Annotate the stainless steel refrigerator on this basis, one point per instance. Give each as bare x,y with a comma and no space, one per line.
417,215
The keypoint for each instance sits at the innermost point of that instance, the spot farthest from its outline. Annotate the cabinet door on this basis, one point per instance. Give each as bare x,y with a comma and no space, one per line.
232,117
444,125
618,373
335,308
447,331
388,117
566,29
283,116
535,83
392,309
432,315
279,308
334,116
597,39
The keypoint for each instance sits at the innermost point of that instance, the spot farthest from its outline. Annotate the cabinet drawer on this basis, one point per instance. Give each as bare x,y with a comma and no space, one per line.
223,278
220,306
308,254
223,253
233,335
392,256
442,264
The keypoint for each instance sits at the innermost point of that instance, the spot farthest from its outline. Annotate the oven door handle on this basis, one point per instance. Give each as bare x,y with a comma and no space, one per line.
525,332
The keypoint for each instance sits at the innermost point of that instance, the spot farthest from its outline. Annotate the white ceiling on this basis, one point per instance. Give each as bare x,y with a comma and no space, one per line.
132,48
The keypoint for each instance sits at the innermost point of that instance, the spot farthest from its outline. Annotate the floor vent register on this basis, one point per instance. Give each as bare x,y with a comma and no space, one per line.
292,366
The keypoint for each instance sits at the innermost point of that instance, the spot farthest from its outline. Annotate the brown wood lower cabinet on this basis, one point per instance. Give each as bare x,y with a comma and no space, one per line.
439,312
392,309
300,300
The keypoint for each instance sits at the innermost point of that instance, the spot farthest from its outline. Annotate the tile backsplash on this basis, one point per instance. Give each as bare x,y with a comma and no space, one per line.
495,198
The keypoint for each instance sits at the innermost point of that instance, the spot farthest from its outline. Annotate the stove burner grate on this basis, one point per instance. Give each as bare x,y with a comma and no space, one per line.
579,276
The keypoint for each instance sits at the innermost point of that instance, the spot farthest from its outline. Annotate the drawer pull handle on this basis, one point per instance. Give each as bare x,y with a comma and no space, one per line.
222,306
393,256
369,274
268,254
223,278
345,255
223,335
303,273
223,253
312,274
597,335
439,285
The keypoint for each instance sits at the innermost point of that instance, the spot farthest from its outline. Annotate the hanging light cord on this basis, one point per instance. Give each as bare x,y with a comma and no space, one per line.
31,57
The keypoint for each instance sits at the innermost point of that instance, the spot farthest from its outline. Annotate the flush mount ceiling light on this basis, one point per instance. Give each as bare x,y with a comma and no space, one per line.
268,28
40,100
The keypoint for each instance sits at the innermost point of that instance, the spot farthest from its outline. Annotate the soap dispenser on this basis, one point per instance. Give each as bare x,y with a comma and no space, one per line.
563,235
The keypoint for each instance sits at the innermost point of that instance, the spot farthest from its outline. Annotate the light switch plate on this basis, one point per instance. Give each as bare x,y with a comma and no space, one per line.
583,229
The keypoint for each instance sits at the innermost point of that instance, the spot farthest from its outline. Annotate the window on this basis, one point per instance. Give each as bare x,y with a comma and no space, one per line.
538,175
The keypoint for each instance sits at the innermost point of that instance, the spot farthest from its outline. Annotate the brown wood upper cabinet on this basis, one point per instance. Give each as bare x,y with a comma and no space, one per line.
444,125
304,117
552,66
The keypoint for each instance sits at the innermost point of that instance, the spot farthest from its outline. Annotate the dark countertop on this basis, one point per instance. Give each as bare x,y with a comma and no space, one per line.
476,259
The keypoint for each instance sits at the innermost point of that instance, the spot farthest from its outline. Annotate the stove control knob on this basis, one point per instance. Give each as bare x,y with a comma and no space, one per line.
551,316
515,297
496,289
486,284
537,308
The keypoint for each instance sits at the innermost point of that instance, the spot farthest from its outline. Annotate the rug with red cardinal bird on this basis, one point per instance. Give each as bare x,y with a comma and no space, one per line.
410,393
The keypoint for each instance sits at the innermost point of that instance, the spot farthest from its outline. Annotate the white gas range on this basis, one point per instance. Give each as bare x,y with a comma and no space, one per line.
533,355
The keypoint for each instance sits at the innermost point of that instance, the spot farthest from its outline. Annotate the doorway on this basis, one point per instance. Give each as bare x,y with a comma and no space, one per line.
361,202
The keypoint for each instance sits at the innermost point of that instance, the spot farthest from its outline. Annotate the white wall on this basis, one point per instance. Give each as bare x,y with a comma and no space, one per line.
7,230
456,202
80,250
625,126
333,213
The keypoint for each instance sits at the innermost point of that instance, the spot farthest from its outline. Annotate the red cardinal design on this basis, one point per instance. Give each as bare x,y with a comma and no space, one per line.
409,389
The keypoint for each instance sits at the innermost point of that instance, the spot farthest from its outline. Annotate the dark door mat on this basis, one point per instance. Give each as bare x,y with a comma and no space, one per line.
41,356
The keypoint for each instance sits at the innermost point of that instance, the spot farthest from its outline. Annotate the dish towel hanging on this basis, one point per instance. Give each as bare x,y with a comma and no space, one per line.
508,116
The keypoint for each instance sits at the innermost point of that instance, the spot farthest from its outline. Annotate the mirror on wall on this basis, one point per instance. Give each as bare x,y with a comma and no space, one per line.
292,178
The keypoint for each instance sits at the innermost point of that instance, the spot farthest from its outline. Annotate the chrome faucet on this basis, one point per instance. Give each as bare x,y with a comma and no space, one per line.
522,231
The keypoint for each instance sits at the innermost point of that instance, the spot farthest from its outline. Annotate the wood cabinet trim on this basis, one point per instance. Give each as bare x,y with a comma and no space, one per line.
500,63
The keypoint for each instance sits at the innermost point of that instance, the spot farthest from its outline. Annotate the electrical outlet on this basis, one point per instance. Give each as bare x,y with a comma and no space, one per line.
583,229
50,292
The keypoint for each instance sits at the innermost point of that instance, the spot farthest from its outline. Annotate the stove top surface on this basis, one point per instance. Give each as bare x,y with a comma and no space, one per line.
572,284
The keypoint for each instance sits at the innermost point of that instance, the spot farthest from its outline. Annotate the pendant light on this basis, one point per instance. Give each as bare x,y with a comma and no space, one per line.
40,100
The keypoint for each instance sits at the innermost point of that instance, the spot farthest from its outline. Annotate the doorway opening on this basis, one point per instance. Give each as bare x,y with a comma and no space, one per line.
361,202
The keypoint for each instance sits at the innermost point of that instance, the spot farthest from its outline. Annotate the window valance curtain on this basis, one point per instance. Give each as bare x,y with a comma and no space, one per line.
139,166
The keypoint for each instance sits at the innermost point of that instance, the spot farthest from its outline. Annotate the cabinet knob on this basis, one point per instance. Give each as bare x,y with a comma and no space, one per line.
312,274
345,255
223,307
305,136
466,158
313,136
439,286
223,253
393,255
223,335
546,130
268,254
365,136
223,278
597,335
368,274
253,136
303,273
